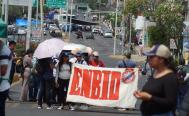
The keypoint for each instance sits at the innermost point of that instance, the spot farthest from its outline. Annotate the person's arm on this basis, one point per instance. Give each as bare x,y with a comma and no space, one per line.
3,67
170,90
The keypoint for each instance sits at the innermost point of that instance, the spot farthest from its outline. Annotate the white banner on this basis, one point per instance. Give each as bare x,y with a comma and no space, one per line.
17,2
111,87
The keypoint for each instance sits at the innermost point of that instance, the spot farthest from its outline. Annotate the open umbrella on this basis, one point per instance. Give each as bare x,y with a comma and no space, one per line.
49,48
75,47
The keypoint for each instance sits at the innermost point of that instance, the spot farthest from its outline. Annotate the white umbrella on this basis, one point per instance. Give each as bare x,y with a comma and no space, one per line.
75,47
49,48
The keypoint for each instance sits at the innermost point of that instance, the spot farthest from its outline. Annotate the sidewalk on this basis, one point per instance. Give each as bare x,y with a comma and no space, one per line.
134,57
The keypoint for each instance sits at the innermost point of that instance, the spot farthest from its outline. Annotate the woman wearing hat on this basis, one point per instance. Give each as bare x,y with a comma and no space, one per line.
159,94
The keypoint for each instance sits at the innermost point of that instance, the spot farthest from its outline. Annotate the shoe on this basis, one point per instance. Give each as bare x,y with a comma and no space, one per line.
60,107
39,107
84,107
72,108
49,108
121,109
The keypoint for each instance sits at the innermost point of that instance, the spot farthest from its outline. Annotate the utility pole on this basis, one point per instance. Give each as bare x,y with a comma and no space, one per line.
6,11
123,28
115,29
41,11
37,12
28,36
130,30
70,20
3,9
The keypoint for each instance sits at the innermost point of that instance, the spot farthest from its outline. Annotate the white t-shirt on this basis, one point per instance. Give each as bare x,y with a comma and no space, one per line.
64,72
5,85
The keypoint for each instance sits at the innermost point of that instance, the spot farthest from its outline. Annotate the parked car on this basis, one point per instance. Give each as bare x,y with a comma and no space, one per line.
107,34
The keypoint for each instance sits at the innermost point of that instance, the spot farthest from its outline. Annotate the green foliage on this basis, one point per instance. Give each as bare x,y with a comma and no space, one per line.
112,17
156,36
135,6
20,50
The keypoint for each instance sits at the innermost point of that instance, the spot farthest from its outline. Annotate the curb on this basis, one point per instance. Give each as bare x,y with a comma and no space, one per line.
136,58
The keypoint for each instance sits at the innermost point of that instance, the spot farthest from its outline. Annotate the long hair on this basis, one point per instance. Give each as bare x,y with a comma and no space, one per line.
61,61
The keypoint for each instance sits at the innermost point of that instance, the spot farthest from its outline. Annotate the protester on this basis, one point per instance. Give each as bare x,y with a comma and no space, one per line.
141,48
63,74
12,45
159,94
183,78
47,83
80,59
33,82
96,61
184,110
5,67
126,62
27,63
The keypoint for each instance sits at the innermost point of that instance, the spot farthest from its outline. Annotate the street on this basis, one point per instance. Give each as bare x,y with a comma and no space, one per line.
104,46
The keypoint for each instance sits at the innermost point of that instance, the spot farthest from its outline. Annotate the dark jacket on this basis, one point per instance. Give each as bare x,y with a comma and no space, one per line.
184,111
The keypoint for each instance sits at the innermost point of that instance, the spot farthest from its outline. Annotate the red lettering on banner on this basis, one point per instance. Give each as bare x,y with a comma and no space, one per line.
95,84
86,83
105,85
97,77
75,89
114,86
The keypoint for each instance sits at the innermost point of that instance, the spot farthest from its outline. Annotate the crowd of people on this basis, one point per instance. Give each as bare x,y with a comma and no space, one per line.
46,80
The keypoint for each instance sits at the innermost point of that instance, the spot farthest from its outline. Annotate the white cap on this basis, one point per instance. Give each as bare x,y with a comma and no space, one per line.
95,53
159,50
89,50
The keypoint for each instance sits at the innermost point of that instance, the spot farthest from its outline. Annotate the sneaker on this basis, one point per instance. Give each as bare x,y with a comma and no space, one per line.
49,108
84,107
121,109
72,108
60,107
39,107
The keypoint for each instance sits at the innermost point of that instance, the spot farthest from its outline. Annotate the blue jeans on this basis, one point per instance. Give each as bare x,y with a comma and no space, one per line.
3,96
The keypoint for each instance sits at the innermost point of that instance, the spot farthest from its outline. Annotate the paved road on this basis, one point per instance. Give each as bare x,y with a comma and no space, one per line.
104,46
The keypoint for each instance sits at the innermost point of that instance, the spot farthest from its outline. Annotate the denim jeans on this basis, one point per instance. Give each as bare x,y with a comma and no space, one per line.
164,114
3,96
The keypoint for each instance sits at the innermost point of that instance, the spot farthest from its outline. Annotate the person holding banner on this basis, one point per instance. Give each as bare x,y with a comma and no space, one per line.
96,61
159,94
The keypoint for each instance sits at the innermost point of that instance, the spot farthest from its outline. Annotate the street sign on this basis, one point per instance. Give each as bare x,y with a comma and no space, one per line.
172,44
56,3
17,2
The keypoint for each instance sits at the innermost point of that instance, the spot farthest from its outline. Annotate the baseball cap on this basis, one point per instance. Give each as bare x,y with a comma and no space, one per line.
79,54
159,50
95,53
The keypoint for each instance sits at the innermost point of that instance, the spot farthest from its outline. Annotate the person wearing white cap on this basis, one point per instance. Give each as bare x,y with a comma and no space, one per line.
96,61
159,94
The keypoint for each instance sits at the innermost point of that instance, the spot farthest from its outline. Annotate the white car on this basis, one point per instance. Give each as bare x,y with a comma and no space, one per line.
107,34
